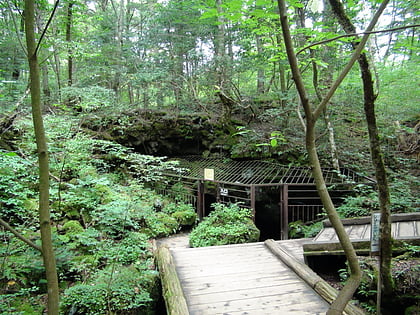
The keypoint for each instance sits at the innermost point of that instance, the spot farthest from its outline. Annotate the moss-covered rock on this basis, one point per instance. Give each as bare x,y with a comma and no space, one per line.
162,133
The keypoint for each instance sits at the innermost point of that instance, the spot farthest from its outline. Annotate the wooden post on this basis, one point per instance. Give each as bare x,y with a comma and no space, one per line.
284,212
253,202
171,287
200,200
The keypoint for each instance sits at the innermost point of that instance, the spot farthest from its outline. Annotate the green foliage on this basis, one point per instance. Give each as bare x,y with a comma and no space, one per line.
183,213
16,188
99,207
298,229
365,199
19,264
112,291
225,225
358,206
132,249
87,99
367,289
254,143
21,301
410,251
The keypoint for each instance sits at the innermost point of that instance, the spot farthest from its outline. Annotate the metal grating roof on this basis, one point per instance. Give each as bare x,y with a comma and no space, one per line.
254,172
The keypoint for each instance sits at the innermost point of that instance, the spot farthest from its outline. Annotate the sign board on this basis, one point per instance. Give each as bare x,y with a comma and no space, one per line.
224,191
208,174
375,234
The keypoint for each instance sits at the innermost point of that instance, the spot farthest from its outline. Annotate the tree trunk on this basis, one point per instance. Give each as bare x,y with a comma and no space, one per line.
376,154
45,85
260,71
69,23
312,115
44,212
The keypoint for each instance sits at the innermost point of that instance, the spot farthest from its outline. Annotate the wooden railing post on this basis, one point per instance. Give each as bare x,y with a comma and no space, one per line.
284,215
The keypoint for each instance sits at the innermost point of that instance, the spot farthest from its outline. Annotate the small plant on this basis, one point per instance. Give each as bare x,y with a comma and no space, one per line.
367,289
225,225
362,204
298,229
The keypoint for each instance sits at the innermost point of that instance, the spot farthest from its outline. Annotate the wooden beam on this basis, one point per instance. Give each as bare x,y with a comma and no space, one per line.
171,287
326,291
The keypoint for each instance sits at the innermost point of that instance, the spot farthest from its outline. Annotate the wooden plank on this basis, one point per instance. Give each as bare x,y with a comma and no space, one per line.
197,257
295,291
221,248
227,270
357,232
295,247
184,262
277,310
262,305
243,284
233,282
405,229
394,229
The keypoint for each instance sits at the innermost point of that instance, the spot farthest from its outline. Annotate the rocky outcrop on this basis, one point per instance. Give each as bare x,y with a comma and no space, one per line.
163,134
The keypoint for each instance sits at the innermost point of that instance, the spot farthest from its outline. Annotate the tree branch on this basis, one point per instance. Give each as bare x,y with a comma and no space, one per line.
18,235
356,34
358,50
46,26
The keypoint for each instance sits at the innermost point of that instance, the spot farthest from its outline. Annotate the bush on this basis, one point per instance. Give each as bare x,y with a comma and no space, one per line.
183,213
298,229
225,225
114,290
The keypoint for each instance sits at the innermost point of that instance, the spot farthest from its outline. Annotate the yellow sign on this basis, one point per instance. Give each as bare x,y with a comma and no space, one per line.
208,174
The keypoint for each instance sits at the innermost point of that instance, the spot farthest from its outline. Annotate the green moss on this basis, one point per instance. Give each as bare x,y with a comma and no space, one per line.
72,228
185,218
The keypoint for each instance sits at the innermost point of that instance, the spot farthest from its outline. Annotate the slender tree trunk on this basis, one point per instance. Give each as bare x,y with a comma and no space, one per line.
376,154
44,212
220,47
260,71
312,115
69,23
45,85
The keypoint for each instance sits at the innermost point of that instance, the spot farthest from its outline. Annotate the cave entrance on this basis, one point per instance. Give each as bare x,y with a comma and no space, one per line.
276,194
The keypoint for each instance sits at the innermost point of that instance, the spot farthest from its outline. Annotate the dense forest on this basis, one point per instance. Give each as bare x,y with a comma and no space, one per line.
98,97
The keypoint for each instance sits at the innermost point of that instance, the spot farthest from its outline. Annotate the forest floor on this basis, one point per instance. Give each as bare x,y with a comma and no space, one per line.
180,240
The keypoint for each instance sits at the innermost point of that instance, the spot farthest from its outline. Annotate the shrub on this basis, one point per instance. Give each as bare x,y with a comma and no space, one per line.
161,224
183,213
298,229
132,248
114,290
225,225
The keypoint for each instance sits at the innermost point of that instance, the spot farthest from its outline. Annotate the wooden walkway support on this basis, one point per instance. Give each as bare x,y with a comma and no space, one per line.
248,279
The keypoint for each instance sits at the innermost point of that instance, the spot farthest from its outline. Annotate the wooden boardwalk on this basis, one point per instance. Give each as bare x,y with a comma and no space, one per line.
243,279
